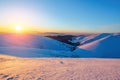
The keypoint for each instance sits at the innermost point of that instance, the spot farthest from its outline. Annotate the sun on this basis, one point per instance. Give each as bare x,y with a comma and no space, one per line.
18,28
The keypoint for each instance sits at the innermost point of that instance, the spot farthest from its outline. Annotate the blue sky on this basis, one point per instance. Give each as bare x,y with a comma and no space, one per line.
63,15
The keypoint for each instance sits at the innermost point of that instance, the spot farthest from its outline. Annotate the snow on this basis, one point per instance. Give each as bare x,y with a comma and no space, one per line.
44,53
34,57
32,41
84,39
95,46
82,53
36,46
77,39
108,46
13,68
33,52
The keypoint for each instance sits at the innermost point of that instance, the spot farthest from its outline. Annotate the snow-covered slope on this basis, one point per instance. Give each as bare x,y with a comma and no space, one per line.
82,53
32,41
108,46
84,39
94,37
33,52
13,68
22,45
101,45
40,53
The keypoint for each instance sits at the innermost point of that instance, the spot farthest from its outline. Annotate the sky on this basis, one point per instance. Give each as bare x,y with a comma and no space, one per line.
61,15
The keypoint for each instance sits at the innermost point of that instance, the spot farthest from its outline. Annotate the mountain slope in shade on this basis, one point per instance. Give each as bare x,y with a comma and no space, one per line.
32,41
82,53
33,52
84,39
95,37
108,47
40,53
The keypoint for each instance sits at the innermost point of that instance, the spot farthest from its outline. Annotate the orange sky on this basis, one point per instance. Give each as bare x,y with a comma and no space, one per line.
27,29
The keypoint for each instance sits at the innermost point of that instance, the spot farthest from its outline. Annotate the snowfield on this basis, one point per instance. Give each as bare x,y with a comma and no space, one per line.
13,68
35,57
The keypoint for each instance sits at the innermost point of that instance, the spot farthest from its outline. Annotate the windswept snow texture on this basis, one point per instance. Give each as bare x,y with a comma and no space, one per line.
12,68
108,47
32,41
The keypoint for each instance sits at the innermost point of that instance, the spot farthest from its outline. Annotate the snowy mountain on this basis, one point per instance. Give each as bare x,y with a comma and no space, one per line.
22,45
108,46
84,39
94,46
32,41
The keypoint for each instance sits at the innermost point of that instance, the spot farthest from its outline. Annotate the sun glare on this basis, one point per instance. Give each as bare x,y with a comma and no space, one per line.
18,28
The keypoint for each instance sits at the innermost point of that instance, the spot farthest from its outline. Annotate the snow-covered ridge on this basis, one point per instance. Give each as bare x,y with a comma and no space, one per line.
108,46
84,39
